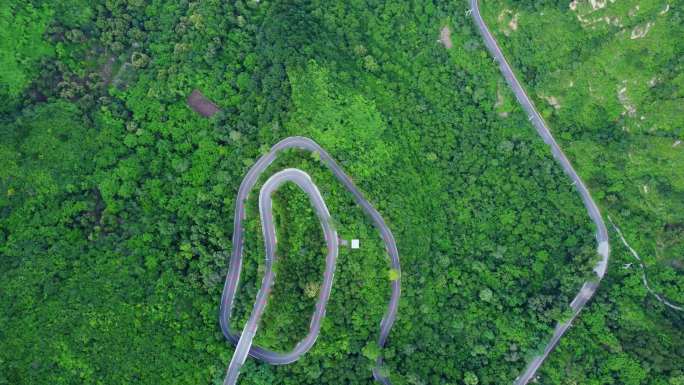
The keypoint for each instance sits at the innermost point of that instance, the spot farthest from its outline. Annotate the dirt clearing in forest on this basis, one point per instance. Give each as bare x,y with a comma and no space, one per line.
445,37
200,104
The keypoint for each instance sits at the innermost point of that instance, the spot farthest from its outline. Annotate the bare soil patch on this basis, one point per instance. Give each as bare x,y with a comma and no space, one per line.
200,104
445,37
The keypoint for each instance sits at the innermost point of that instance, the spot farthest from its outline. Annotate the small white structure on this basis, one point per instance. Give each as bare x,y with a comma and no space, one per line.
354,243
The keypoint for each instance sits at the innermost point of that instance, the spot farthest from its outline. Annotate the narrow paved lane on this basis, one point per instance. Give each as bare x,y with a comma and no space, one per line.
588,288
245,339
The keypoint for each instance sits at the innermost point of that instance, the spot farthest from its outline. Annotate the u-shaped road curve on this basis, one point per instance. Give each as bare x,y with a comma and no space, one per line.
245,339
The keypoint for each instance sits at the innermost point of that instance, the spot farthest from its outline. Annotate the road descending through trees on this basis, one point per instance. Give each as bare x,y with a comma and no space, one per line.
588,288
244,340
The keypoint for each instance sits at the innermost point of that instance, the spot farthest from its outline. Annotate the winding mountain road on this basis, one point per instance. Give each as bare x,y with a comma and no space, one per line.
588,288
244,340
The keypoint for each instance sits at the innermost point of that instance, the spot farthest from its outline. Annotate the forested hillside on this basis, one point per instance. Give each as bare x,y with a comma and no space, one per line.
608,76
117,199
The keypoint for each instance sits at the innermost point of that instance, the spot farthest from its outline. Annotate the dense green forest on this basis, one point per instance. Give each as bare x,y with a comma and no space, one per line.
614,91
117,199
609,78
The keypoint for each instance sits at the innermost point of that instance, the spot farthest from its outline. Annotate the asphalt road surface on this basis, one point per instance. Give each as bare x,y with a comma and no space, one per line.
245,339
588,288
